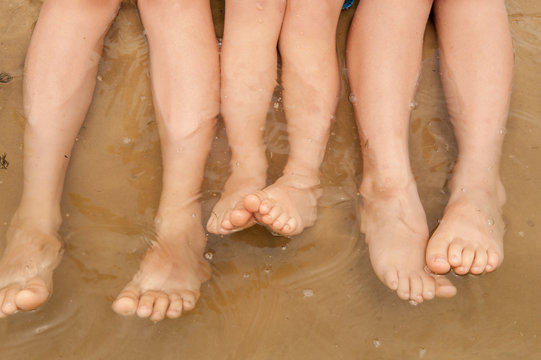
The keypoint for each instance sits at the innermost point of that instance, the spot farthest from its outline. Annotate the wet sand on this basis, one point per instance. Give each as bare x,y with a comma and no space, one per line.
310,297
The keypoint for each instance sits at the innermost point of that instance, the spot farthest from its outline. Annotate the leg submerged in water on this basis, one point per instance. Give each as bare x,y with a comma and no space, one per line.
185,85
60,73
477,65
383,57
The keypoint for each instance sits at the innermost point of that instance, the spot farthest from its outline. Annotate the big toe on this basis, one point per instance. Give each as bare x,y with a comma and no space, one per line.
252,202
240,218
33,295
436,254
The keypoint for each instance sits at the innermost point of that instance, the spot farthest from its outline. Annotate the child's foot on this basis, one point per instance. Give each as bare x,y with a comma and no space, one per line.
287,206
394,224
26,268
229,214
469,237
169,277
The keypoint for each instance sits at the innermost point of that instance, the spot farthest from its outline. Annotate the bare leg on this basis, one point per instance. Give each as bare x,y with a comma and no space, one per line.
311,88
249,60
384,55
477,65
60,75
185,83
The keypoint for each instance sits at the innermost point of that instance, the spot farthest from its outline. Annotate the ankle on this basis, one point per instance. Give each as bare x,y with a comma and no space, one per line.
385,183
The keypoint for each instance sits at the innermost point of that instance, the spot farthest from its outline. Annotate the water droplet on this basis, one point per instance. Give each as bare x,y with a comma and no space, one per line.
422,353
463,189
237,163
352,99
193,215
99,77
267,269
413,303
209,255
521,233
413,105
308,293
260,21
276,105
377,343
284,247
126,140
259,6
502,131
77,138
67,214
246,275
490,222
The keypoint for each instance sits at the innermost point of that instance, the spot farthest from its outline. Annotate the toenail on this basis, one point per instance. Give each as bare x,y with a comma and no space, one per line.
439,259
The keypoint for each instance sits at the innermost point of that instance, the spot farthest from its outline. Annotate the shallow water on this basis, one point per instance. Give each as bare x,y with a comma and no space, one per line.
310,297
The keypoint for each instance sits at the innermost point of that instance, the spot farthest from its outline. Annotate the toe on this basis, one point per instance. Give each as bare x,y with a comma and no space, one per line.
160,307
189,299
403,289
9,307
33,295
416,289
290,227
267,206
456,249
493,260
273,214
444,288
127,301
468,254
391,279
175,306
479,262
429,287
240,217
436,253
252,202
146,304
279,223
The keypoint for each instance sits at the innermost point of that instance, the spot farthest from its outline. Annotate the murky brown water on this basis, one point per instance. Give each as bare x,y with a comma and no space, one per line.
311,297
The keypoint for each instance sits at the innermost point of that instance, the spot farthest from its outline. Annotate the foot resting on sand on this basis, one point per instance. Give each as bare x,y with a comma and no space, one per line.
169,277
26,268
287,206
469,237
396,232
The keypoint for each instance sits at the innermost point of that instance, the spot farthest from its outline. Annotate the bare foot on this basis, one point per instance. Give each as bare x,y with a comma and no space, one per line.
26,268
394,224
169,278
469,237
287,206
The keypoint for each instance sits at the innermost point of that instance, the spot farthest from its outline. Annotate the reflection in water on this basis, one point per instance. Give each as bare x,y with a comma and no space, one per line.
311,296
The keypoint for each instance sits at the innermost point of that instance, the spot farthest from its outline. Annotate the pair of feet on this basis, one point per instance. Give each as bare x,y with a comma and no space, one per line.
468,239
171,274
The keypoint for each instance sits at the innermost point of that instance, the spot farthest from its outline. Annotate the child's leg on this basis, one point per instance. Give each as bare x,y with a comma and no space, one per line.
311,88
384,55
185,83
249,59
60,74
477,65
